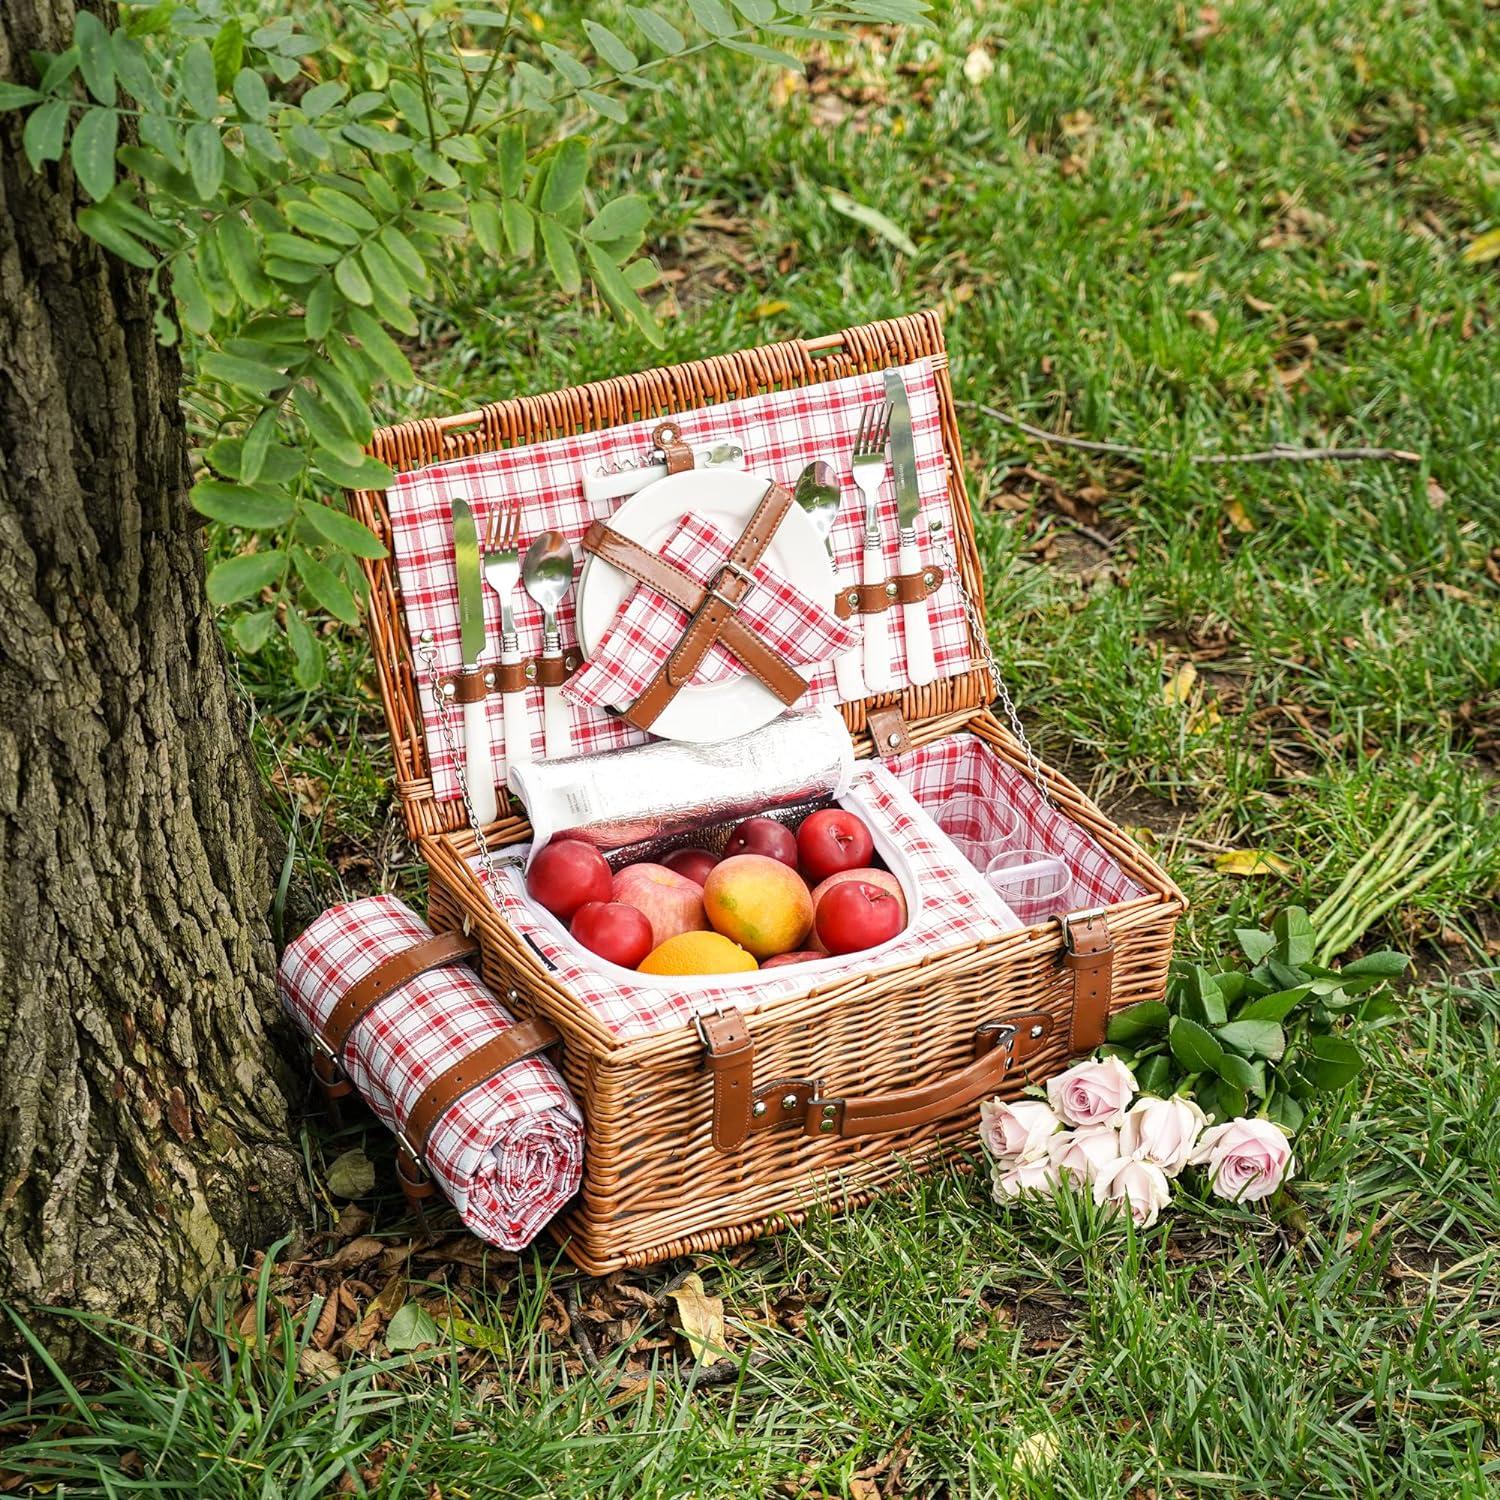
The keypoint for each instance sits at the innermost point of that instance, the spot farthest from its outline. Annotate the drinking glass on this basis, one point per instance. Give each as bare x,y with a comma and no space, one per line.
1034,884
980,827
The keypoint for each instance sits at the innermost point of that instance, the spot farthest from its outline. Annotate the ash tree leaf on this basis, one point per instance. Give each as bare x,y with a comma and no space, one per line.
326,586
319,99
520,228
566,178
240,577
256,508
257,445
115,238
772,56
610,48
511,159
17,95
200,88
622,295
252,631
656,29
382,142
382,348
1135,1023
560,256
368,474
611,109
484,217
619,218
712,17
757,12
252,95
872,219
95,58
1194,1046
205,158
574,72
343,530
246,374
307,650
42,135
59,70
93,151
350,279
228,52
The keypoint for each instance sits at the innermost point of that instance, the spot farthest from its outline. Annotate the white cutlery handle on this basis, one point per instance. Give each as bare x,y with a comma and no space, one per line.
479,766
878,677
557,713
847,669
920,667
517,728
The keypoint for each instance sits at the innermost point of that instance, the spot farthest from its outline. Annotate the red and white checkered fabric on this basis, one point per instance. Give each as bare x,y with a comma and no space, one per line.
649,626
962,765
780,432
509,1153
955,909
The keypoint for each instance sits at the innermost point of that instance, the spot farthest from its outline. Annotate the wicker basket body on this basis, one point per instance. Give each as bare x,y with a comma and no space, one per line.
654,1183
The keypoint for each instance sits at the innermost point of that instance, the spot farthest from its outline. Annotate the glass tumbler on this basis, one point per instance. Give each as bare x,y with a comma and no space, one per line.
1037,886
979,827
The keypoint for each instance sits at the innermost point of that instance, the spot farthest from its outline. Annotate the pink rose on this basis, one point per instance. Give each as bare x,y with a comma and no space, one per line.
1092,1093
1015,1179
1082,1154
1247,1160
1140,1186
1016,1131
1163,1131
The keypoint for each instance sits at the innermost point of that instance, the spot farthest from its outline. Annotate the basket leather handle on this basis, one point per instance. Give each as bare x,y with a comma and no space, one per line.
999,1047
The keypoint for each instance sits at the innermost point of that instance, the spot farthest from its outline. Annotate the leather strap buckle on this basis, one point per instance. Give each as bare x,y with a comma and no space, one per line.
715,589
1070,938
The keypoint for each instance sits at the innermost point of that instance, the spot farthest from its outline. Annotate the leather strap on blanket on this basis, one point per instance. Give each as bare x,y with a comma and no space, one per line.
714,610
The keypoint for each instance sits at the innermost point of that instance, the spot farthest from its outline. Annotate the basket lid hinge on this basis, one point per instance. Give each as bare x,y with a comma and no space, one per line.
889,732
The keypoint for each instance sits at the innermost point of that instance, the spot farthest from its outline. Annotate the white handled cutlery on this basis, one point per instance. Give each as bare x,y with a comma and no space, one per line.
817,492
479,771
868,466
920,666
502,571
547,573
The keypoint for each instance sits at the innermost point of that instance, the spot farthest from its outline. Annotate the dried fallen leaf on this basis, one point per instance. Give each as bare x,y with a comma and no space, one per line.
872,218
355,1253
769,309
1485,248
1238,517
1035,1454
317,1365
1250,862
1437,496
1202,318
1179,687
412,1327
702,1319
352,1175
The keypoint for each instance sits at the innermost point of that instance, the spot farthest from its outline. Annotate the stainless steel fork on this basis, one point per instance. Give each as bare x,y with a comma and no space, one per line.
868,465
502,571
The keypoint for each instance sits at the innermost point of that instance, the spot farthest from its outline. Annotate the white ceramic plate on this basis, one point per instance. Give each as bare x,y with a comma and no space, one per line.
703,712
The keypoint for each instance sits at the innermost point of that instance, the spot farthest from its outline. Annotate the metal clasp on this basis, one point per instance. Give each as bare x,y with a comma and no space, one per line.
745,576
1067,920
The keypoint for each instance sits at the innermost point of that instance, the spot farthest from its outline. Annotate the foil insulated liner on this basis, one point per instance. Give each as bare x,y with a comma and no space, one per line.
652,791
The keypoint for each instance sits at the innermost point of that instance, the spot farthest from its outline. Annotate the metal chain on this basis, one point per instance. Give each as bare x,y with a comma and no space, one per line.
981,636
427,655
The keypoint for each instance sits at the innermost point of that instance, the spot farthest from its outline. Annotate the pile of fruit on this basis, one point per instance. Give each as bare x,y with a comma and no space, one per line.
773,897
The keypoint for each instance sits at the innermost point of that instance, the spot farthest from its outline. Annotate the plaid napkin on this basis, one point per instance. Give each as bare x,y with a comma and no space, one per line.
649,626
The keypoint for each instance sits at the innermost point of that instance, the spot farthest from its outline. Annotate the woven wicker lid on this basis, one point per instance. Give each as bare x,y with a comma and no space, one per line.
668,391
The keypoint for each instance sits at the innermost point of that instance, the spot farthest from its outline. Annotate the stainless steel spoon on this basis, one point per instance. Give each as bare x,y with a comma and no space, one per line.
547,575
817,493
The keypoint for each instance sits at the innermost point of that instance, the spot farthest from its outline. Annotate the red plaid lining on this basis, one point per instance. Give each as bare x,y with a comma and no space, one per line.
649,625
963,765
781,433
509,1153
955,909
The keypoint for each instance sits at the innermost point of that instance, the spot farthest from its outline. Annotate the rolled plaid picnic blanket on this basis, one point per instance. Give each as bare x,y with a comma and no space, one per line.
648,626
440,1060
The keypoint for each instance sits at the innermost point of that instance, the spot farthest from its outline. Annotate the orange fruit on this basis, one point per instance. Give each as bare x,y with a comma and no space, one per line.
698,953
762,904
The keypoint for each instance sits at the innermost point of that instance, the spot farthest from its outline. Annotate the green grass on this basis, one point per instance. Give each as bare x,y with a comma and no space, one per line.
1132,229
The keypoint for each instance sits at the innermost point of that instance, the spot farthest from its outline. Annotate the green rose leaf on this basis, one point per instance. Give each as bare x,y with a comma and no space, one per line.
1330,1062
1263,1038
1137,1022
1194,1047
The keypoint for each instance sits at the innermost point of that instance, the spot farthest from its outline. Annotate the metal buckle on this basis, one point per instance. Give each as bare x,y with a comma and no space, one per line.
1067,920
323,1049
743,574
406,1146
1005,1032
719,1009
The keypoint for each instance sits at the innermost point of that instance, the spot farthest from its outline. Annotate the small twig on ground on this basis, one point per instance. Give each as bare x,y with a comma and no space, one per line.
1278,453
1098,538
581,1341
720,1374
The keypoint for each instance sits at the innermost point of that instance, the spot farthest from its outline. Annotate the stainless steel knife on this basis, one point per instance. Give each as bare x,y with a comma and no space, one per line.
479,773
920,666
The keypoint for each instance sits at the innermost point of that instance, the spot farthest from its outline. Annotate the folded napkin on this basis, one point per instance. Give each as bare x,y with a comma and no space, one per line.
649,626
509,1153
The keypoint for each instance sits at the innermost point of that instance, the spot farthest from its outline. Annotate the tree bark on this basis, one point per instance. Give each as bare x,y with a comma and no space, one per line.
143,1120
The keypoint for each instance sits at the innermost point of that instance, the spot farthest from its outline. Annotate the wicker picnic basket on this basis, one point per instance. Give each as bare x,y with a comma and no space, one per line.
708,1135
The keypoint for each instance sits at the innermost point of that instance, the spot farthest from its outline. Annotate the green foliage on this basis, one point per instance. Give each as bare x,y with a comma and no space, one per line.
295,195
1263,1036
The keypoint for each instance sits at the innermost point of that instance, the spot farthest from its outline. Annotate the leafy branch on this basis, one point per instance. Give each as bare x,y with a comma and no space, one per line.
292,195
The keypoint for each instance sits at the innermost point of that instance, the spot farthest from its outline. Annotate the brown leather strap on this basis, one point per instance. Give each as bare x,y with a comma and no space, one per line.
730,1056
672,583
875,598
472,684
888,731
678,456
386,978
508,677
1089,956
524,1039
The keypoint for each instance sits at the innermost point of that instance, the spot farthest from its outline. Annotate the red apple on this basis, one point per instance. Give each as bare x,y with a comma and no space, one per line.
783,959
614,931
567,873
763,836
883,878
671,902
856,915
694,863
833,840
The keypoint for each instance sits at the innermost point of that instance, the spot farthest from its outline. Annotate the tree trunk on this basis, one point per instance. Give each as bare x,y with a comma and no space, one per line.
143,1123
